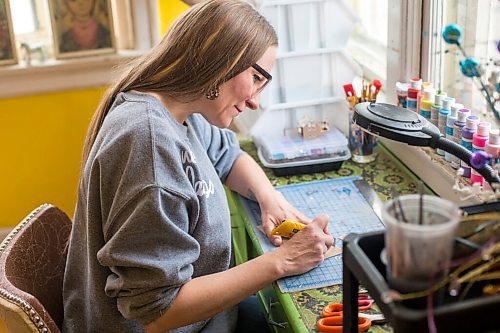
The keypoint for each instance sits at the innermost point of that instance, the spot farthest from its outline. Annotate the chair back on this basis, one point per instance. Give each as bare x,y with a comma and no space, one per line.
32,264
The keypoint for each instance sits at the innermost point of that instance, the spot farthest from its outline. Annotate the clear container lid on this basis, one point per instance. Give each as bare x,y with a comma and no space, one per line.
278,148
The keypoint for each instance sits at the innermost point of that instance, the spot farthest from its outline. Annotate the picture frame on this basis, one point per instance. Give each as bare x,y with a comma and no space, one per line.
82,28
8,51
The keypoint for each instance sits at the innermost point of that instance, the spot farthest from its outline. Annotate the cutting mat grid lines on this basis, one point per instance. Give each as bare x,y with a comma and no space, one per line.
348,212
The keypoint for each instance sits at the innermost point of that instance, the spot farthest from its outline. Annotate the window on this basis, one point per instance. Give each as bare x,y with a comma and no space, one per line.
136,30
478,21
368,42
416,47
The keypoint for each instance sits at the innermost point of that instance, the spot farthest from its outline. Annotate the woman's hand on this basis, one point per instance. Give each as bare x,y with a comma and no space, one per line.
274,209
306,249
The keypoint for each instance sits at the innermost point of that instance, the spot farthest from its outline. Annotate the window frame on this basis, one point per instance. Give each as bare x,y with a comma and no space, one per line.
140,32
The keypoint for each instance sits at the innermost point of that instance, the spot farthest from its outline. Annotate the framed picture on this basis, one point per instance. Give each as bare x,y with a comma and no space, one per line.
8,54
81,27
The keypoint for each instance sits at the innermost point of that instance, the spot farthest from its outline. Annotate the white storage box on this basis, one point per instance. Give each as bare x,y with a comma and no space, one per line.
282,149
292,154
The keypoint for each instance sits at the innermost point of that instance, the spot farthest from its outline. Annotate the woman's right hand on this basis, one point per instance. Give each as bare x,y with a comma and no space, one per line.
306,249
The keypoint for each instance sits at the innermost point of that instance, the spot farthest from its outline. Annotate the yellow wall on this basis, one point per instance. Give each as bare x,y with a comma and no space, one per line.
41,139
169,10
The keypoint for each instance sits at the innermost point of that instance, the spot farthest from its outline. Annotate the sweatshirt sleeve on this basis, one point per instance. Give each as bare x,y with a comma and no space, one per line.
221,145
147,268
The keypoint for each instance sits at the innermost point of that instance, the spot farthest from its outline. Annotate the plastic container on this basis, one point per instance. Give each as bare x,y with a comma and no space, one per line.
419,239
292,154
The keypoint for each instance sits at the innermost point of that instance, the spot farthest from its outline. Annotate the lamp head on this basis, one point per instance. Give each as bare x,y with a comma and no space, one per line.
395,123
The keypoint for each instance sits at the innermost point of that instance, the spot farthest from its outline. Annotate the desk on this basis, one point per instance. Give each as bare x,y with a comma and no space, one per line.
299,311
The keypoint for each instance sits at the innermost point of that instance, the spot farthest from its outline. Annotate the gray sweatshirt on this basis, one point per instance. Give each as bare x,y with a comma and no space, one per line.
151,215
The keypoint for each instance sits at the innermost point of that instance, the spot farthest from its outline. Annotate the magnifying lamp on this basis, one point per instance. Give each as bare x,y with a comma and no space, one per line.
403,125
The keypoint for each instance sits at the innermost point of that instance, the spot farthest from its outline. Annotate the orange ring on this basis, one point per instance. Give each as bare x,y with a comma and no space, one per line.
364,304
332,310
334,324
363,324
330,324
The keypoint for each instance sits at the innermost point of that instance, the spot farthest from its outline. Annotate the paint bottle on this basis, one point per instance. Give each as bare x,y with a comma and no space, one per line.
425,85
450,120
492,147
426,102
416,83
402,94
412,99
436,106
462,115
443,113
479,143
467,132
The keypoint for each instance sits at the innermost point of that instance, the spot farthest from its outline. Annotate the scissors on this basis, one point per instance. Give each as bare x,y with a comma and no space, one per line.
332,316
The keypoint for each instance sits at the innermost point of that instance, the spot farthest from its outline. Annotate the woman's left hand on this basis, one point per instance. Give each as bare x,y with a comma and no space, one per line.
274,209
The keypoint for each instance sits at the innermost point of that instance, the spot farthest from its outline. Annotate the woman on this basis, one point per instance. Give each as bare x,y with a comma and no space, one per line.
151,243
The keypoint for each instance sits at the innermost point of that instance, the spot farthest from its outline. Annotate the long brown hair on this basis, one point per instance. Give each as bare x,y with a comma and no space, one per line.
206,46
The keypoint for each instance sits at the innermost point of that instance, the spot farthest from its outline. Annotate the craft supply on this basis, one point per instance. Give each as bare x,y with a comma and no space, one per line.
361,143
412,100
492,147
443,113
402,94
462,115
348,203
287,228
436,106
478,144
426,102
425,86
416,83
467,132
332,316
419,248
450,120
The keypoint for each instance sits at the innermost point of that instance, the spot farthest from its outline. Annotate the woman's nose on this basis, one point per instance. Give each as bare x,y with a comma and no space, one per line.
253,102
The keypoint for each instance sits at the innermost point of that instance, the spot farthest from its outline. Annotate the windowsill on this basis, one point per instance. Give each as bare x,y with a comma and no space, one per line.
432,169
58,75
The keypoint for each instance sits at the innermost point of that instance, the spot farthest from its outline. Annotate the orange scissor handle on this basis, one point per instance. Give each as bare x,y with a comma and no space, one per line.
332,310
364,304
333,324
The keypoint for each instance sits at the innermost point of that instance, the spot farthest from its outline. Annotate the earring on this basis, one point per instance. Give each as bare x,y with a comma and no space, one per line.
212,94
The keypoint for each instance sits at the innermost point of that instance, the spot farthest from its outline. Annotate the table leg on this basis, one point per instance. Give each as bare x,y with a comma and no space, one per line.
350,300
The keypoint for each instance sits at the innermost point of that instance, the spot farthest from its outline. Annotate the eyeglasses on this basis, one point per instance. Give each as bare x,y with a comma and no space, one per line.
261,84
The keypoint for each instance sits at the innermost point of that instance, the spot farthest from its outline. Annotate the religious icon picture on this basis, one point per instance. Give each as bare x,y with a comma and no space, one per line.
8,54
82,27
